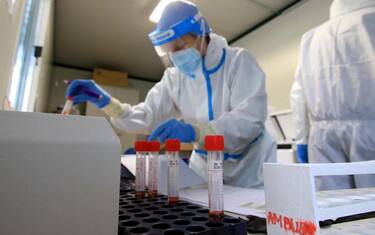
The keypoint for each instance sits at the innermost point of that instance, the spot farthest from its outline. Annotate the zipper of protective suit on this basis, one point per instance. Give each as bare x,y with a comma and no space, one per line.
207,74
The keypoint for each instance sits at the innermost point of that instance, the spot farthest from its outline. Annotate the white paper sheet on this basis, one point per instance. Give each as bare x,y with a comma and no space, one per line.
242,201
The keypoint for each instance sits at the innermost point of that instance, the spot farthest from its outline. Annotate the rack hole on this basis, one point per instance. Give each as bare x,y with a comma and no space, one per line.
203,211
195,228
141,215
187,214
159,203
192,207
130,223
174,232
135,210
152,200
144,204
199,219
214,225
123,217
160,212
177,209
181,222
139,230
161,226
127,207
151,208
170,217
151,220
166,206
183,204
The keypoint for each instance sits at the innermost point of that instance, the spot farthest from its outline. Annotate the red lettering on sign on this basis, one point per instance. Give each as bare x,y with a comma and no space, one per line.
299,227
274,218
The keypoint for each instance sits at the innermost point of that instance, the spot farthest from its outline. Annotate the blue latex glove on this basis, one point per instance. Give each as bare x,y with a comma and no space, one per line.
87,90
173,129
302,156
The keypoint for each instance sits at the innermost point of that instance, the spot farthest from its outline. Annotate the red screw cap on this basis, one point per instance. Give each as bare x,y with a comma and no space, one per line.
154,146
214,143
172,145
141,146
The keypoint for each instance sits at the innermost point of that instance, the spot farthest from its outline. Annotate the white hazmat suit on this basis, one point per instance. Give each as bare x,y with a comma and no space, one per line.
227,98
333,97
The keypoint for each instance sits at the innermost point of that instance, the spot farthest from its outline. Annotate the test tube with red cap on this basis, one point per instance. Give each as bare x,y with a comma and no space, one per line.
67,106
153,168
214,146
141,148
172,148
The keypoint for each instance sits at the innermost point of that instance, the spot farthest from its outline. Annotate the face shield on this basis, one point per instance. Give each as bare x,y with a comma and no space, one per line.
184,34
187,41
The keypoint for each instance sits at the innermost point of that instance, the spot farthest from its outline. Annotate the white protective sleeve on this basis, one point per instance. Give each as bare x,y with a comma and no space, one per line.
144,117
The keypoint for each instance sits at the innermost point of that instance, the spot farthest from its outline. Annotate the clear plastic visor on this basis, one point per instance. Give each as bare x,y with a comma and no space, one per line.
179,44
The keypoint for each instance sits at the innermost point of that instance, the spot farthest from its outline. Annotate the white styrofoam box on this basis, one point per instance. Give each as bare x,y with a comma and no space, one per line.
58,175
294,207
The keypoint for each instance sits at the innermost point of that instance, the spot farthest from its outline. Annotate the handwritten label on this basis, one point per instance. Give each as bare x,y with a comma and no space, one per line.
291,225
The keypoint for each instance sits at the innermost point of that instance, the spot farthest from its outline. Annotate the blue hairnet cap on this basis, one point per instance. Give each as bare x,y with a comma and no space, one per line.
178,18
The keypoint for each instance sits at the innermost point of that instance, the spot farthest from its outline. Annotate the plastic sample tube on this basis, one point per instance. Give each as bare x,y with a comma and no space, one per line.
141,148
67,106
214,146
153,168
172,148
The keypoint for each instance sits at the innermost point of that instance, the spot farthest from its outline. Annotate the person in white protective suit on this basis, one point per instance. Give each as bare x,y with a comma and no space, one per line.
333,96
214,88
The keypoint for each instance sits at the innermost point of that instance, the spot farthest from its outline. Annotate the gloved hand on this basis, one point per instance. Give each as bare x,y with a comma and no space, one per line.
302,155
87,90
173,129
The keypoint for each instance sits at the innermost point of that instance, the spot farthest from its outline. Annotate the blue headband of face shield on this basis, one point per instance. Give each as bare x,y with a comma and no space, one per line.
195,24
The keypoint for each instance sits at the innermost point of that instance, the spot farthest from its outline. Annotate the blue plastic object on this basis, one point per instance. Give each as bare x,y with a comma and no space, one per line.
173,129
178,19
302,153
87,90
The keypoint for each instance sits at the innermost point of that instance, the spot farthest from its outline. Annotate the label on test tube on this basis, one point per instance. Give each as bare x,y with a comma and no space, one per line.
172,146
173,174
153,175
140,174
215,146
141,147
153,169
216,186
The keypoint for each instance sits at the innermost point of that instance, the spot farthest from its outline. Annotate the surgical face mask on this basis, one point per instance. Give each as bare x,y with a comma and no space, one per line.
187,61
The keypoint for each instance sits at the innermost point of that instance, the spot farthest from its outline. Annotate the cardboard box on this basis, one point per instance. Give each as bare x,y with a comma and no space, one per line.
110,77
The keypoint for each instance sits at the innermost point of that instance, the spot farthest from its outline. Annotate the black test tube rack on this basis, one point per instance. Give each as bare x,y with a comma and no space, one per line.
153,216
